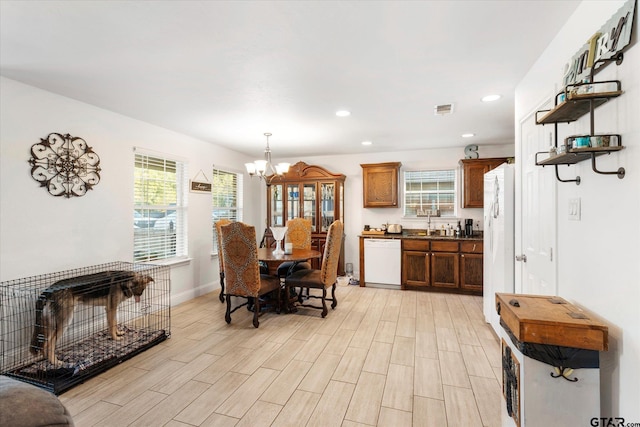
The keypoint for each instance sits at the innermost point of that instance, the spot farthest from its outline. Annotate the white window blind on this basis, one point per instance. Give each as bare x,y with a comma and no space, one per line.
430,189
160,208
226,191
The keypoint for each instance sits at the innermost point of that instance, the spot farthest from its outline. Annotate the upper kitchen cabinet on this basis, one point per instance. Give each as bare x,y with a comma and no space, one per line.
473,173
380,185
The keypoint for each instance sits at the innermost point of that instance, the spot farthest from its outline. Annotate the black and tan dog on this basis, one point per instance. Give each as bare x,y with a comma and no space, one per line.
56,304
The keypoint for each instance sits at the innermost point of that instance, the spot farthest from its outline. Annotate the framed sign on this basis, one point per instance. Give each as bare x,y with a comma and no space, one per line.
200,186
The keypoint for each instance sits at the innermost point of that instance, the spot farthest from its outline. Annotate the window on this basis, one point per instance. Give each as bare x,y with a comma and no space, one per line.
160,209
226,191
430,190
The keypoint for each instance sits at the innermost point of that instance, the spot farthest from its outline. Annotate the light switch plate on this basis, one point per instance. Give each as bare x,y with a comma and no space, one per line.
574,209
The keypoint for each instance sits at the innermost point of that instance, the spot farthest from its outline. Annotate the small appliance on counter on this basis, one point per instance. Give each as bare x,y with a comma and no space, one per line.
468,227
394,229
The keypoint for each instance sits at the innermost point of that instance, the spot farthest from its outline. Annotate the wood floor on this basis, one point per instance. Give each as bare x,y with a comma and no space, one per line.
381,358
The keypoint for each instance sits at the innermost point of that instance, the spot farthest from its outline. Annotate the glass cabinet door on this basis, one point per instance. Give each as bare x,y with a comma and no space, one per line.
293,201
277,205
327,205
309,204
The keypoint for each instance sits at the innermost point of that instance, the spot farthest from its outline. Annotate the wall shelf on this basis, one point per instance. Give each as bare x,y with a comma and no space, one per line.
576,105
574,102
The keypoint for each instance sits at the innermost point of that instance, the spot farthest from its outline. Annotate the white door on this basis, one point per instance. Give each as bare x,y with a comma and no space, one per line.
535,212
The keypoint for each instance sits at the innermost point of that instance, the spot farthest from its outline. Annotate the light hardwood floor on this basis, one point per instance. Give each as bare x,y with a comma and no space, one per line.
381,358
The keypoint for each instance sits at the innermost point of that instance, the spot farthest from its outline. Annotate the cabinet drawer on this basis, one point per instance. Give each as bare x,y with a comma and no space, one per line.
415,245
441,246
471,247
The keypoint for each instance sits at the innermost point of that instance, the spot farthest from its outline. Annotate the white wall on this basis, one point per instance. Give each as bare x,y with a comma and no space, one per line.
598,256
40,233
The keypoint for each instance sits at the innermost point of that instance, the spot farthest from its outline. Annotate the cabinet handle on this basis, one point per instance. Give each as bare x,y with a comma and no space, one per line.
474,248
462,255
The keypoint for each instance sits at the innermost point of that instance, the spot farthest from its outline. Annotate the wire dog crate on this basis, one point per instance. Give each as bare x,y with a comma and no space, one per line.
59,329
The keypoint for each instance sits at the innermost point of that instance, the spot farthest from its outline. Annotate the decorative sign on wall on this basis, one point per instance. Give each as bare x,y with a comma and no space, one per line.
200,186
65,165
610,39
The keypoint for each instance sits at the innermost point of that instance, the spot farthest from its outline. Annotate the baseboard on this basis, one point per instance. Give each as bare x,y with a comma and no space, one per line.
193,293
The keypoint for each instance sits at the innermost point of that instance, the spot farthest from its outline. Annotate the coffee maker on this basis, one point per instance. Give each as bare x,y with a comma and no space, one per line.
468,227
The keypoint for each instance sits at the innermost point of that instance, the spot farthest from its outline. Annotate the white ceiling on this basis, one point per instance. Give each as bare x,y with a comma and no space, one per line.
228,71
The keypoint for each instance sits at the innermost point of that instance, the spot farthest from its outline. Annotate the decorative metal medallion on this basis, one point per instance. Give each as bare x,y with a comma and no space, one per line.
65,165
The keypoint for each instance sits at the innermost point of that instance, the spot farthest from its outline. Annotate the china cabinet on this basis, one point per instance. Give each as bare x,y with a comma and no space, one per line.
311,192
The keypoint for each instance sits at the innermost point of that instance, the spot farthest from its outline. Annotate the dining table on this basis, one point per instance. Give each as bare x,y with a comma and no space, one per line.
273,260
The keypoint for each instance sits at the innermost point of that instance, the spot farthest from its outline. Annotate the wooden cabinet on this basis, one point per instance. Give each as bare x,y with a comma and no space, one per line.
471,267
415,263
445,261
310,192
380,185
444,265
473,177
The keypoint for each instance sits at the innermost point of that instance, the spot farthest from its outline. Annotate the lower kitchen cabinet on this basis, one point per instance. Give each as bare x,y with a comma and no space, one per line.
445,269
471,270
442,265
445,264
415,263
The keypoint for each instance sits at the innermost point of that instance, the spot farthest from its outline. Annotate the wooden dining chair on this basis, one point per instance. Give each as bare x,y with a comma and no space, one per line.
324,278
242,270
299,235
219,224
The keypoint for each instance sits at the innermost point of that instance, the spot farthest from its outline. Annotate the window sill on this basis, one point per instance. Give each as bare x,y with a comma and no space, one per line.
173,262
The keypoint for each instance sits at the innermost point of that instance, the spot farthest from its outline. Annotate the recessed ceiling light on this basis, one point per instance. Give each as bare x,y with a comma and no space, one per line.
468,135
343,113
490,98
367,142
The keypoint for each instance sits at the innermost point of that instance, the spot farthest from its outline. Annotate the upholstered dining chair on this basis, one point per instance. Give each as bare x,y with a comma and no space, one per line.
219,224
242,270
299,235
324,278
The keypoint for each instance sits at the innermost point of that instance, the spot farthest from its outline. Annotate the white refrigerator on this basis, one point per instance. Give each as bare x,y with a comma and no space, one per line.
499,232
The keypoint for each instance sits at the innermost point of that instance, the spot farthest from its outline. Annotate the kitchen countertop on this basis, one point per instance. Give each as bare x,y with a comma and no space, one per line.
419,235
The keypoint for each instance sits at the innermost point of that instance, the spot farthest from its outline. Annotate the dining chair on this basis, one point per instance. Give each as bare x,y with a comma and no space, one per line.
326,276
219,224
299,235
242,270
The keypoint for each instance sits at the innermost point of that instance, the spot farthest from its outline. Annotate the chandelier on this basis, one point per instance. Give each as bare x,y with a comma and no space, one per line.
264,168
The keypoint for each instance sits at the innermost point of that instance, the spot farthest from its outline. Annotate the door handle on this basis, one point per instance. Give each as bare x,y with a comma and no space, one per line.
522,258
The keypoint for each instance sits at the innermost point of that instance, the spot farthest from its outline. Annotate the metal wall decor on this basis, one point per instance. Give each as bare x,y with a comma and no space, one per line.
65,165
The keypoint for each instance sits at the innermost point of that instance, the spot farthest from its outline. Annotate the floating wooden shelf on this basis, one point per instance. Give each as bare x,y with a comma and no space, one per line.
575,107
575,155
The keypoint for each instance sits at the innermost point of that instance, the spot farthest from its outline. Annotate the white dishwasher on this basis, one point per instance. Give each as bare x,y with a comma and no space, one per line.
382,262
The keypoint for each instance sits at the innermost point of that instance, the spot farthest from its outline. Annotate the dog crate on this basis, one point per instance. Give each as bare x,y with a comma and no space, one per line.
32,308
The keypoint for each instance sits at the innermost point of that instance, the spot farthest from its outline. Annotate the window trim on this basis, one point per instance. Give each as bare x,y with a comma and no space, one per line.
456,191
181,206
239,208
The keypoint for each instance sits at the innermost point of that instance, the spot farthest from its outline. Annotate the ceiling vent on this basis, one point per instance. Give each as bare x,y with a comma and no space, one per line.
441,110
